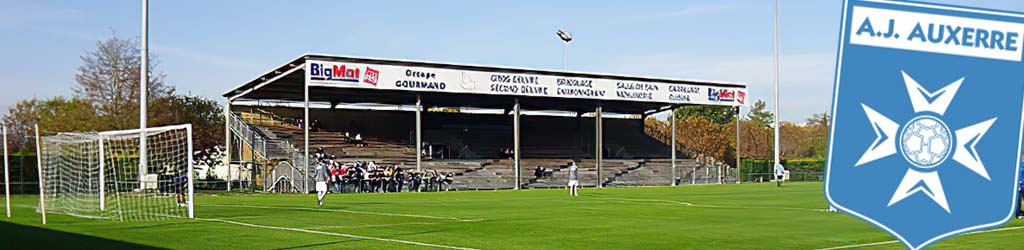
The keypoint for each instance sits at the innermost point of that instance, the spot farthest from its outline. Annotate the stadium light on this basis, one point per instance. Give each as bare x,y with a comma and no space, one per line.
567,38
775,36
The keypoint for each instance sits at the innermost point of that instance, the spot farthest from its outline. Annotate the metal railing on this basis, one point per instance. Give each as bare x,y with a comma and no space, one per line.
271,149
793,176
250,135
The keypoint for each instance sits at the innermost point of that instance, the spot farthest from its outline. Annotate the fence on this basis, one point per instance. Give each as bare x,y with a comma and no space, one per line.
758,169
793,176
24,174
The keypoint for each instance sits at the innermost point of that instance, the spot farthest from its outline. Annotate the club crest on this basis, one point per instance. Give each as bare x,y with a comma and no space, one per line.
925,143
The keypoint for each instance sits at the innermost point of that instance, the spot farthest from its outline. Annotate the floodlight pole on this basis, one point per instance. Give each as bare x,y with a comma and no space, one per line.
775,34
516,155
565,57
143,87
567,38
7,174
39,164
672,143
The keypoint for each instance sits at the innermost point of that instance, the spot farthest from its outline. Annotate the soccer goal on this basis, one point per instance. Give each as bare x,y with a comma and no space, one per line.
99,175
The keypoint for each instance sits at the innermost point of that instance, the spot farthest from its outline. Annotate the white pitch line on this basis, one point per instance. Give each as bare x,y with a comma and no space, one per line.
245,217
338,234
894,241
861,245
376,225
713,206
345,211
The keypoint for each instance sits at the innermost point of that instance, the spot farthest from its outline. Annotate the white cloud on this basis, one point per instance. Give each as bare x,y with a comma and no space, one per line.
204,57
28,15
701,9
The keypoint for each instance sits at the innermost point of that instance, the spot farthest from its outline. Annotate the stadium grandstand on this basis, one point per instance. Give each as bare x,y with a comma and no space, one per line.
489,127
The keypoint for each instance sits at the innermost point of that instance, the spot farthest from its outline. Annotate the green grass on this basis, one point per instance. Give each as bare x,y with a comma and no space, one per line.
748,216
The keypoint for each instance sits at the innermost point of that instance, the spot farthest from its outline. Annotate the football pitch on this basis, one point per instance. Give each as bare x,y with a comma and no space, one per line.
746,216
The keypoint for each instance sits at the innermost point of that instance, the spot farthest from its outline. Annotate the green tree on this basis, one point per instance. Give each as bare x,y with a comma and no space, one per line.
53,115
716,114
205,115
818,131
759,114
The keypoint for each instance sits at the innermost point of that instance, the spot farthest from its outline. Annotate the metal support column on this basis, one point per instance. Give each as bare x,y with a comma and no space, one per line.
672,143
419,133
227,140
739,164
598,145
516,159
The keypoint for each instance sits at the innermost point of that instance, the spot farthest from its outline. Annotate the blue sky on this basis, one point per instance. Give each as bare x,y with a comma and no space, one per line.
207,47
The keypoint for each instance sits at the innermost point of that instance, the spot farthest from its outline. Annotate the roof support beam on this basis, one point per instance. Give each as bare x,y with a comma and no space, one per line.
419,134
279,76
659,110
305,130
227,139
598,145
672,144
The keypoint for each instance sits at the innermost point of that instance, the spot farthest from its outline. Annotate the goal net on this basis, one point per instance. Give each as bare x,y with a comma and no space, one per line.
99,175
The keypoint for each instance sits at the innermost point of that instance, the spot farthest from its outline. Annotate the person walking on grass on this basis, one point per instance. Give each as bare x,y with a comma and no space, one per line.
321,184
780,173
574,180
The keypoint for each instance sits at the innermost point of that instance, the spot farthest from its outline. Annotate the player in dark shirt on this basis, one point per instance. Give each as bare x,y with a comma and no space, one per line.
180,183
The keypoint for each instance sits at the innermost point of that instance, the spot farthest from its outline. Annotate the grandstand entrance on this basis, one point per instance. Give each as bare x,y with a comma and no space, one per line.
479,127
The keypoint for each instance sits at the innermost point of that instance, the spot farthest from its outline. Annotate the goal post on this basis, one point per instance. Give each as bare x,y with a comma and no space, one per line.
7,174
101,175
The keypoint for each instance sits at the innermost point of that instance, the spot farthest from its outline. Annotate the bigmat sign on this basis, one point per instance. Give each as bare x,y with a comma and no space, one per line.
927,118
430,79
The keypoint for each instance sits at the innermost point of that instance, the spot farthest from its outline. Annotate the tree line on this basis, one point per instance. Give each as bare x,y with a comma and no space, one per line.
708,133
106,97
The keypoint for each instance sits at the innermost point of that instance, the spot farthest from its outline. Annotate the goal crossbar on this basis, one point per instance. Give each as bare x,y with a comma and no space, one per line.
98,174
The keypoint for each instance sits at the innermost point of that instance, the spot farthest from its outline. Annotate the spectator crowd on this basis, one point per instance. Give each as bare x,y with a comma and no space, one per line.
370,177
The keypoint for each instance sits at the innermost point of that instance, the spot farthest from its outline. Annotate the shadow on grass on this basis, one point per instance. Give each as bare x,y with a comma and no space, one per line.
319,245
28,237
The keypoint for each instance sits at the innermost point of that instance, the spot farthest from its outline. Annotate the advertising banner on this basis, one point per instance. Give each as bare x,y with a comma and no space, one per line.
432,79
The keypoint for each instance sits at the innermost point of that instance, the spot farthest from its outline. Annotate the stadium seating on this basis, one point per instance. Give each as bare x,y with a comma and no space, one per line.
475,144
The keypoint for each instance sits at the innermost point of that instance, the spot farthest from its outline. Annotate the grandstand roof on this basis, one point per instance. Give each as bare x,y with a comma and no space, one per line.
355,80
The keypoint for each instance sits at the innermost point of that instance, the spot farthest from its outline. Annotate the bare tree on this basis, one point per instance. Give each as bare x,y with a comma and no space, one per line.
109,79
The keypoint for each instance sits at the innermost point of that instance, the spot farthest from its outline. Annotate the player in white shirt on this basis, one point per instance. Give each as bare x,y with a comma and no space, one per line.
574,180
780,173
321,183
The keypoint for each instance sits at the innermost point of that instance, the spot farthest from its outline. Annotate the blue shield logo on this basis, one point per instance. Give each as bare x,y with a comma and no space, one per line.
926,135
